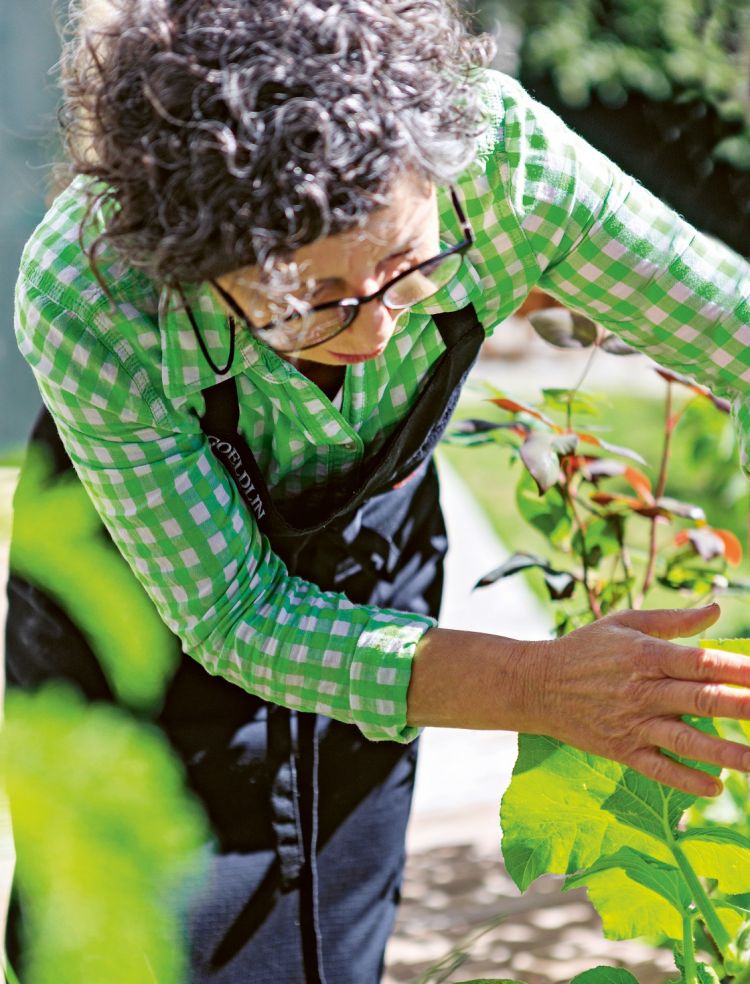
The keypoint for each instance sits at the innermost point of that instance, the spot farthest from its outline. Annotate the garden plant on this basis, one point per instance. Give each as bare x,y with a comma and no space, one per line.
656,862
106,835
659,87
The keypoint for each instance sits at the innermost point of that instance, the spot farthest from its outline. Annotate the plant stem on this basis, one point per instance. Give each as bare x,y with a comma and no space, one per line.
625,559
703,903
584,374
593,601
688,949
658,493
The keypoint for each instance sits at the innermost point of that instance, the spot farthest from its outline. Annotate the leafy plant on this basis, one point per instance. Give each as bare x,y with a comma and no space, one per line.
106,841
59,546
684,50
599,511
654,861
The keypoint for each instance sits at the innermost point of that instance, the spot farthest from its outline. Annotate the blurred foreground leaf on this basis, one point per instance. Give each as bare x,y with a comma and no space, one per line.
106,841
59,545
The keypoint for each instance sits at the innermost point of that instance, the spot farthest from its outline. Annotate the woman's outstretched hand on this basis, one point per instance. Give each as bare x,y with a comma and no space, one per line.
619,688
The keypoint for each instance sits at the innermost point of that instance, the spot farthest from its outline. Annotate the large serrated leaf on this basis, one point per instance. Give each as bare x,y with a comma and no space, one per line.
565,808
635,895
719,853
555,814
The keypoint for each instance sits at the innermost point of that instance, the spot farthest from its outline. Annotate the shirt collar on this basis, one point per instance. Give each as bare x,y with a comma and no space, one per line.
184,367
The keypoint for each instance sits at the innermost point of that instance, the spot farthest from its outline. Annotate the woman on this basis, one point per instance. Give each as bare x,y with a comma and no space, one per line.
250,316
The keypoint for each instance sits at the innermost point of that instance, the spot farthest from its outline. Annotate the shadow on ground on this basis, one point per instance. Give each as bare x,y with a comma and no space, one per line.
451,892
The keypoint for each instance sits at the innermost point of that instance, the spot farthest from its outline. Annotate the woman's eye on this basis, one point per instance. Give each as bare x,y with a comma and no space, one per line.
404,259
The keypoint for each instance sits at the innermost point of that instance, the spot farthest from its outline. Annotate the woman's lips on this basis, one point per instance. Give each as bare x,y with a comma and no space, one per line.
349,358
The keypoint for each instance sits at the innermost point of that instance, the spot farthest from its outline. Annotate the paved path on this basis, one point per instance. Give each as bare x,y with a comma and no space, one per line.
460,769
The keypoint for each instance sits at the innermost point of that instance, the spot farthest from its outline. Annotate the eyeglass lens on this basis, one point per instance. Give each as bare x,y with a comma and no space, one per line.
318,326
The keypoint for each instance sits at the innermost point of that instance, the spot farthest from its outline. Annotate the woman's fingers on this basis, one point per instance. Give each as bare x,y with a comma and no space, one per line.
682,739
702,699
706,665
669,623
655,765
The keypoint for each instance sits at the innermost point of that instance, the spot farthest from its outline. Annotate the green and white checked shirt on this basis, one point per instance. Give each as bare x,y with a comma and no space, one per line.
124,385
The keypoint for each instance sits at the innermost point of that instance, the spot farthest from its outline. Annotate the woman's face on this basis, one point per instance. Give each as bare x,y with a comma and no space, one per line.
354,264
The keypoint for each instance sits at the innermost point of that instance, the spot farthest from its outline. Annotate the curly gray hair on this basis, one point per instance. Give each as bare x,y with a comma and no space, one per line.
230,132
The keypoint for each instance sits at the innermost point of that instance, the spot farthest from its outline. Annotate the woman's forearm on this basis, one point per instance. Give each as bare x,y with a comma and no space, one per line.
477,680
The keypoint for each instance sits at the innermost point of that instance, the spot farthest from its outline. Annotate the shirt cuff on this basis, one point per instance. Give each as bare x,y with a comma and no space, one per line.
380,673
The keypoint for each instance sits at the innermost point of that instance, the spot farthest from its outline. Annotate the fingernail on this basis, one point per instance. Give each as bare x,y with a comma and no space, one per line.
715,788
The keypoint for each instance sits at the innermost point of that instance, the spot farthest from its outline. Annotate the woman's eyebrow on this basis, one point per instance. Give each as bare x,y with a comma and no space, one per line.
408,244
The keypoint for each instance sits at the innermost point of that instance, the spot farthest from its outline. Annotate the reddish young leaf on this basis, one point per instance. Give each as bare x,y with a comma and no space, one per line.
703,540
709,543
515,407
612,448
593,469
686,510
640,484
675,377
732,546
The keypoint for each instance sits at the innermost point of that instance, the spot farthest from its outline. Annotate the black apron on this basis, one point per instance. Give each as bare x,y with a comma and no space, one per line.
309,817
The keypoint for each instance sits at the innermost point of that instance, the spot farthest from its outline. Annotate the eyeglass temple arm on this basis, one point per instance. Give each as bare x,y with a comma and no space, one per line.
467,230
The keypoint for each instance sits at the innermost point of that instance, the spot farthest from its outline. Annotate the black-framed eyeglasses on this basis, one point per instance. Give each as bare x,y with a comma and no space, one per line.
322,322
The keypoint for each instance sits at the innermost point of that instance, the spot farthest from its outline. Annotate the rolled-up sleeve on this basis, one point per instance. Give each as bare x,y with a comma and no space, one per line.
180,523
605,246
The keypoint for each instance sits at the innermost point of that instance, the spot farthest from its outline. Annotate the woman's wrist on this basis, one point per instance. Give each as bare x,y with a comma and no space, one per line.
477,680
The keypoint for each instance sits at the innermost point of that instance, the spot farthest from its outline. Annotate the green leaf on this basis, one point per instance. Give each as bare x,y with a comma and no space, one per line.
471,432
719,853
563,328
561,399
516,562
548,514
58,545
565,808
107,840
705,974
539,454
741,646
615,346
605,975
559,584
601,537
636,895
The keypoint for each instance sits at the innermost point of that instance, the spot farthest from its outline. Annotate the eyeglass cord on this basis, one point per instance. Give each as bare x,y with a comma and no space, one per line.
232,336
